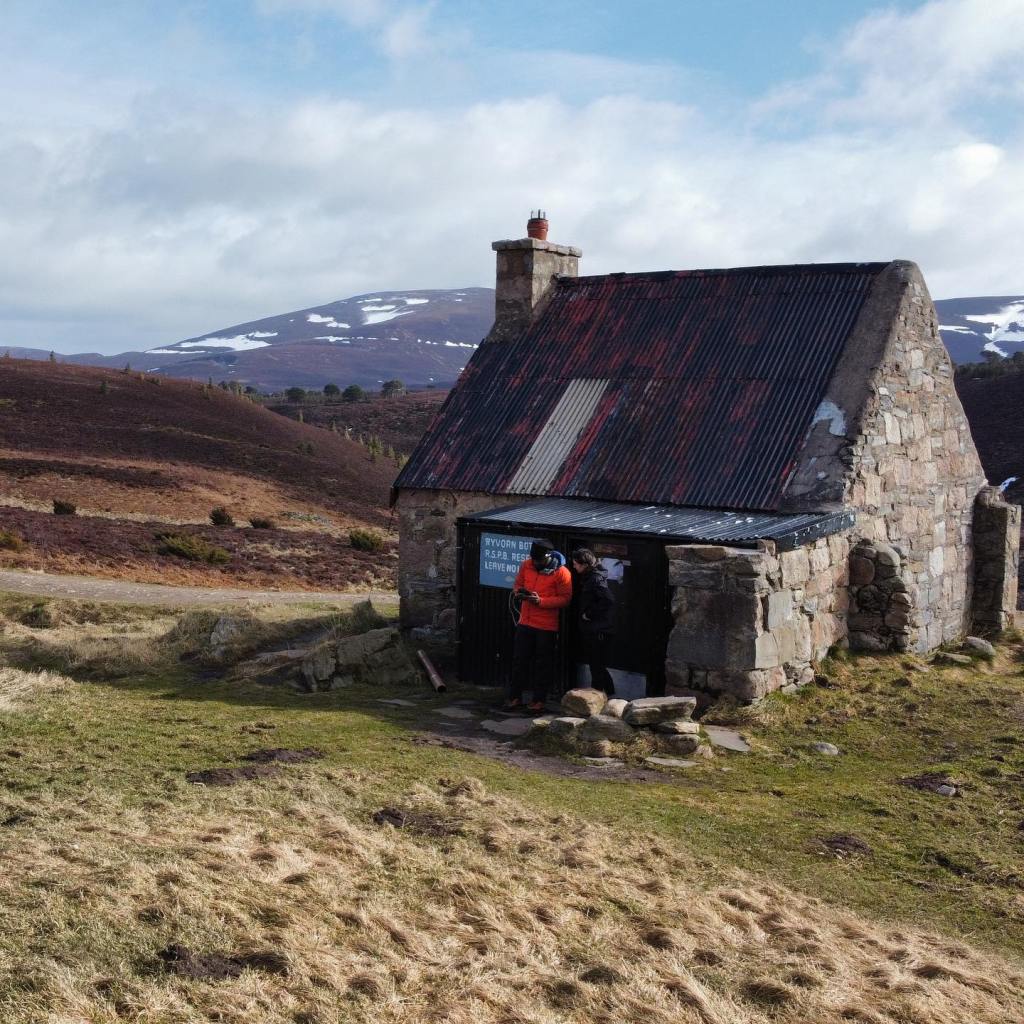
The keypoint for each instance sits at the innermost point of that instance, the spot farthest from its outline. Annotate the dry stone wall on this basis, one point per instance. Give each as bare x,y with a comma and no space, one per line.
996,561
749,622
884,613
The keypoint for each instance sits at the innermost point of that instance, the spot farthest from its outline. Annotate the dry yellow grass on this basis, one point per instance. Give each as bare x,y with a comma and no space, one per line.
478,910
18,688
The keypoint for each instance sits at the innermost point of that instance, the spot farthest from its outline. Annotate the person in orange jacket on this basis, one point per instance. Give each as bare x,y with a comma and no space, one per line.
544,585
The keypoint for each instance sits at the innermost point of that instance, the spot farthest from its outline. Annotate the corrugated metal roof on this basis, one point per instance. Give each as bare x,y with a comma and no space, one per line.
557,437
713,379
671,524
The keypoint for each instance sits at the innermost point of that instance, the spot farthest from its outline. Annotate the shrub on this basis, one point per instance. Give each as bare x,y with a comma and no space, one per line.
261,523
366,540
194,549
220,516
331,390
64,508
11,541
38,616
353,393
295,394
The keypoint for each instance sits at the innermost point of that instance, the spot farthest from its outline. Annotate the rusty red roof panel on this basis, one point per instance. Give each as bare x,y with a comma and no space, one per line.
713,379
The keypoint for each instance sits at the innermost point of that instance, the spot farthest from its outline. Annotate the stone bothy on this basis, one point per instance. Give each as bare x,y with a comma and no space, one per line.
788,437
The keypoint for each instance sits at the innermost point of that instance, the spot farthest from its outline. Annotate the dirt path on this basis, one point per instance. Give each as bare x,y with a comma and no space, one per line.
86,588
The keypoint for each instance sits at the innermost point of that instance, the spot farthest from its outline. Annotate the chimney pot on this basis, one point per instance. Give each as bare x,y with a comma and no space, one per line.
537,225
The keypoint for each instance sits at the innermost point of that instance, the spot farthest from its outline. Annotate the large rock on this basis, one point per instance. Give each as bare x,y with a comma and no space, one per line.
979,647
652,710
228,633
678,726
376,656
606,727
679,744
616,706
584,703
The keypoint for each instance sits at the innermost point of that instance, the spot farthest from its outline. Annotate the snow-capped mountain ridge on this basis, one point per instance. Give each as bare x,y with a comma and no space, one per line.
970,327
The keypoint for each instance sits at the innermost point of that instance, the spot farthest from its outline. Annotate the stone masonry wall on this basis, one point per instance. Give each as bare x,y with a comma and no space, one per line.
996,561
900,453
427,560
883,613
750,622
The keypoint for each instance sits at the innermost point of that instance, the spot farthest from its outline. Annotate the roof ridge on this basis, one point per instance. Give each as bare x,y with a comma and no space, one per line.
767,270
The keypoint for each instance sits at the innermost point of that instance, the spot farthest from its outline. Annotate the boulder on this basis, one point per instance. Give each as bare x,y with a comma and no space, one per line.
979,647
828,749
597,748
606,727
229,631
652,710
615,707
376,656
584,702
678,726
679,743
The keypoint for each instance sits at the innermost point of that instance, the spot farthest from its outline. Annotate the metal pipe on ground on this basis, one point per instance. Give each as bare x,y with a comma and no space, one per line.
433,675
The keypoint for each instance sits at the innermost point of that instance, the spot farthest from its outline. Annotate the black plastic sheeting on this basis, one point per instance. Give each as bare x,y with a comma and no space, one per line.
672,525
713,379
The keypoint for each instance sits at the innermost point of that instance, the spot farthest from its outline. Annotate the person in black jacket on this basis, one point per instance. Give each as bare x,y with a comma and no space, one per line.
594,616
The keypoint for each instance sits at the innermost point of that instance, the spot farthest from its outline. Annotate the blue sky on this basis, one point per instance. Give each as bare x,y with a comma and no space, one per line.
167,169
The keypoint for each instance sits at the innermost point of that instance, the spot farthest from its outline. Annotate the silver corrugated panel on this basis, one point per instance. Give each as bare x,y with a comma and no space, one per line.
671,523
557,437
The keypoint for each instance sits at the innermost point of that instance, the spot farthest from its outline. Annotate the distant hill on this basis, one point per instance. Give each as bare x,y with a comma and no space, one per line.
425,336
970,327
139,454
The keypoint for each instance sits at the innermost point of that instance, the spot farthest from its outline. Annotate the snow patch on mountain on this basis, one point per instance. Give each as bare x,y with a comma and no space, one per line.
239,343
316,318
382,314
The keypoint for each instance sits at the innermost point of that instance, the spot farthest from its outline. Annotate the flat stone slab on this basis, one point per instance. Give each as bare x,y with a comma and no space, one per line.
669,762
456,712
651,710
508,726
727,739
604,762
399,702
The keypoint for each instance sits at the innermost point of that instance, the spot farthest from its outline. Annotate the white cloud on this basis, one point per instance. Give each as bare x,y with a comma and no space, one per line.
168,216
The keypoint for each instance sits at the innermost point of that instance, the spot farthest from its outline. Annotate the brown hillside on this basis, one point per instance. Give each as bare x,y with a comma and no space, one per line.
130,450
399,422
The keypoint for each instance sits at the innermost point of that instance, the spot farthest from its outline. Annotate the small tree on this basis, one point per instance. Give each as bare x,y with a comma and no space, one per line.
64,508
353,393
127,368
103,387
332,390
391,388
53,357
295,394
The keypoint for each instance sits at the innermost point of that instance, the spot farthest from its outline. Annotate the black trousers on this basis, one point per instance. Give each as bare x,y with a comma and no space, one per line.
533,662
595,654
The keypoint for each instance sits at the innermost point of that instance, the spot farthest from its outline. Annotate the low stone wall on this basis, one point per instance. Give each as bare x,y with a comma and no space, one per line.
748,622
996,561
883,607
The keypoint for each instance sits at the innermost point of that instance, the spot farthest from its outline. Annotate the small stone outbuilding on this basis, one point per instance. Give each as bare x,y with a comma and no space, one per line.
788,437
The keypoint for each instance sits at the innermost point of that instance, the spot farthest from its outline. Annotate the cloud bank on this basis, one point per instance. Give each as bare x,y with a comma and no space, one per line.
162,213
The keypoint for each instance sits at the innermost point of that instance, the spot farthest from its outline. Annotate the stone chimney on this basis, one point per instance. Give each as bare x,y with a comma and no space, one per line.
527,270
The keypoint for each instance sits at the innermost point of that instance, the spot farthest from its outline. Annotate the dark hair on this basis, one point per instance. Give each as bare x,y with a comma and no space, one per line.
585,557
541,548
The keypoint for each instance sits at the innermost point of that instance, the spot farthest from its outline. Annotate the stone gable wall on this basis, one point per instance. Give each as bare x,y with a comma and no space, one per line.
749,622
916,473
427,560
890,440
